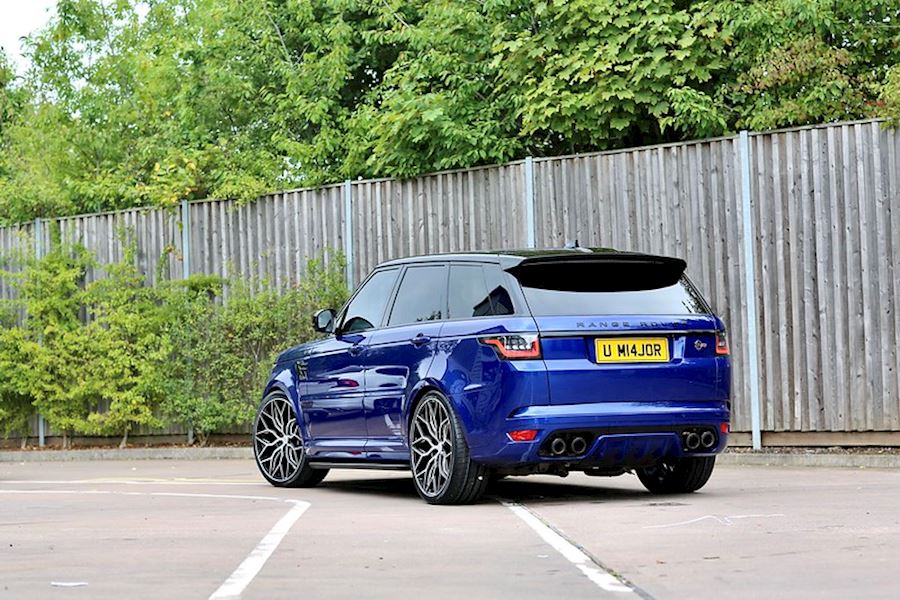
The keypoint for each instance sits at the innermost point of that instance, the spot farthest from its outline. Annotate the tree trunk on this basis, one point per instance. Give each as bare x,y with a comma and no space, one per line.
24,443
124,443
65,439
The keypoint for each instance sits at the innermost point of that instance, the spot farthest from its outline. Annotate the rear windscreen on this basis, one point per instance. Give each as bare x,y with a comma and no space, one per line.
630,286
678,299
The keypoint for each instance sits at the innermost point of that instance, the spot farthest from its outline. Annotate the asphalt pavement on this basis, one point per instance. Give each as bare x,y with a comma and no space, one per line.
213,528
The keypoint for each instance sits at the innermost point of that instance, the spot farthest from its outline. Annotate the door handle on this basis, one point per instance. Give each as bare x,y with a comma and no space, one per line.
355,350
420,339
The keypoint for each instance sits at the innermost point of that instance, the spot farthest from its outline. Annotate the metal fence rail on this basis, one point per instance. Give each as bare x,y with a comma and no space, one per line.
825,247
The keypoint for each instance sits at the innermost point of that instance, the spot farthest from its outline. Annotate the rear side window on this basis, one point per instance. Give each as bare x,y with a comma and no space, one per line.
498,294
422,296
471,295
678,299
366,309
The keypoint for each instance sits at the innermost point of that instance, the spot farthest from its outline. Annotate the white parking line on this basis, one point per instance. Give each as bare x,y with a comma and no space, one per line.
238,581
114,481
247,570
602,578
170,494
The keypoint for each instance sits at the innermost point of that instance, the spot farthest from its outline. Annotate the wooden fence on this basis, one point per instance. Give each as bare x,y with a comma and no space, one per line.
824,254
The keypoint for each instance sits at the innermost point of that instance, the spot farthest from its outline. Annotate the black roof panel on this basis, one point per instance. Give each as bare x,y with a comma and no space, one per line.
510,258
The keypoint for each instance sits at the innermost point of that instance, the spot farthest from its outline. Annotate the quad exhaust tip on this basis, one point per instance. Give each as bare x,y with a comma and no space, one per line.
695,440
579,445
558,446
691,441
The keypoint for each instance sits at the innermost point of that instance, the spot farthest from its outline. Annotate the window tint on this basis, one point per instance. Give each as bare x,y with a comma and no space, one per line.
422,295
367,307
468,292
470,296
678,299
498,294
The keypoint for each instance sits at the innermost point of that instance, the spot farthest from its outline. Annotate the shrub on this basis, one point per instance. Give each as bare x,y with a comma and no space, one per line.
222,352
40,361
113,355
126,350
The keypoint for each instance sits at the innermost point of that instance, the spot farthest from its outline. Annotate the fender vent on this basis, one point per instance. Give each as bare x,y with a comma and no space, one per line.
300,368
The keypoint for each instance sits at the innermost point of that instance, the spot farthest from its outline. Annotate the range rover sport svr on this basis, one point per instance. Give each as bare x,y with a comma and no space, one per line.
468,367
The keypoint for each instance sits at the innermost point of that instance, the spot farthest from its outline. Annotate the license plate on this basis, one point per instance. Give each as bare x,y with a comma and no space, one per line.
632,350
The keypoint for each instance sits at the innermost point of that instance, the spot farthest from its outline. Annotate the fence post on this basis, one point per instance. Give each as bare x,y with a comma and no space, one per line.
749,277
39,254
186,267
185,239
348,231
530,232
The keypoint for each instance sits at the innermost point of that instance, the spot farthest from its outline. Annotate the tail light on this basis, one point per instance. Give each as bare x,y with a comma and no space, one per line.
514,345
722,343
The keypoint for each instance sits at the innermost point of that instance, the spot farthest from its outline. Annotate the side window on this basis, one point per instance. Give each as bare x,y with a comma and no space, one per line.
422,295
498,294
367,307
468,292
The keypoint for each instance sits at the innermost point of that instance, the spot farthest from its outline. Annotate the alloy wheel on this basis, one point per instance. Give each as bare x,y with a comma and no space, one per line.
432,446
277,440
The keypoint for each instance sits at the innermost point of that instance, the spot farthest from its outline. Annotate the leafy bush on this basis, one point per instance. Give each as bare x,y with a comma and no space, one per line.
126,350
108,357
222,353
41,361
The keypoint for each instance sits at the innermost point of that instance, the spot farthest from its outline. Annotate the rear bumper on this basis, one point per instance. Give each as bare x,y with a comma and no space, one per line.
622,434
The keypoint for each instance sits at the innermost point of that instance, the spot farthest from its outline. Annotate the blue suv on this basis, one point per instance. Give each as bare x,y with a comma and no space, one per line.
468,367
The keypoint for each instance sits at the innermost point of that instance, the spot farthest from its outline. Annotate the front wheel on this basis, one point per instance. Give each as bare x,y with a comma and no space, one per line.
439,456
278,445
677,475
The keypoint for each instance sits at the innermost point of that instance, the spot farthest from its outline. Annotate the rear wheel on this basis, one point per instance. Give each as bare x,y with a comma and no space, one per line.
278,445
439,456
677,475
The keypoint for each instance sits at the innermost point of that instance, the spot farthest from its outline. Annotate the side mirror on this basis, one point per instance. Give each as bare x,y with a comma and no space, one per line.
323,321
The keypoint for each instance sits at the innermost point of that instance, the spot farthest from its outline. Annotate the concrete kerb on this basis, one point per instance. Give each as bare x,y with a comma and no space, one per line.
835,460
759,459
173,453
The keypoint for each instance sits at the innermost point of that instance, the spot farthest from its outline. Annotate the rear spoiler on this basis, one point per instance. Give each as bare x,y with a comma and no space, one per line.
598,272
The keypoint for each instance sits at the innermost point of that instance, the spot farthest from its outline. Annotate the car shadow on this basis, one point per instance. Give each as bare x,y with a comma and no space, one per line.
531,491
520,489
393,487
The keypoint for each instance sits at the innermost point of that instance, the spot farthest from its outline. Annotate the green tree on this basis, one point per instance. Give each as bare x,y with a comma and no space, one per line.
592,75
126,349
221,352
41,361
147,103
795,62
440,104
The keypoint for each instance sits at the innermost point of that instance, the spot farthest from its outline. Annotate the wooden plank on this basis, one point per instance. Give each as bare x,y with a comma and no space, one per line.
893,218
794,275
870,388
838,297
809,417
765,156
824,265
882,319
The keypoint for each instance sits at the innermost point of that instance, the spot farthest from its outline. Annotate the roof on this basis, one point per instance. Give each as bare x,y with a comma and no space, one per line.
511,258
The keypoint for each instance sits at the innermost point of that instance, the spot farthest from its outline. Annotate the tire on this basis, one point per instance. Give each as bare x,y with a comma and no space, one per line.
677,476
278,445
439,459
